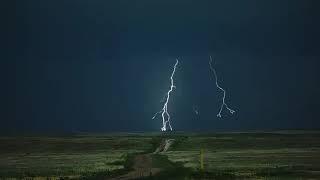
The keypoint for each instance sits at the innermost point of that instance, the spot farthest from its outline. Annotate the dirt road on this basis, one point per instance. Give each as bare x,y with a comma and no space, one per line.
143,166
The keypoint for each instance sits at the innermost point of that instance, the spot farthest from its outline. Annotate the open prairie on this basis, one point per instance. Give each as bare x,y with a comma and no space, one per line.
242,155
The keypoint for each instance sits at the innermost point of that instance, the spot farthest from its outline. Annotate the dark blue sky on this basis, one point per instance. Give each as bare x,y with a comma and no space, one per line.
81,65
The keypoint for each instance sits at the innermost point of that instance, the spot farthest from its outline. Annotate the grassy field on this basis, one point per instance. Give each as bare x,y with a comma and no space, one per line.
274,155
251,155
73,156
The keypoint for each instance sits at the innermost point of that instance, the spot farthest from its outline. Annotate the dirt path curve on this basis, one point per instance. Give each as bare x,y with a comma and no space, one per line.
142,166
164,146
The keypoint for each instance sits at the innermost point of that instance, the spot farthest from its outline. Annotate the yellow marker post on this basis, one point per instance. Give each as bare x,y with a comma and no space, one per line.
201,159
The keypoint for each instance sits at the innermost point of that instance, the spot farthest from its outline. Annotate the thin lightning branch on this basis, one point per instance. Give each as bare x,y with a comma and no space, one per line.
195,110
161,101
164,112
156,114
224,92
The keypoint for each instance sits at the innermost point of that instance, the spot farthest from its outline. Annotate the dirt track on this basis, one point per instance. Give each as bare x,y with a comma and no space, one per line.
143,166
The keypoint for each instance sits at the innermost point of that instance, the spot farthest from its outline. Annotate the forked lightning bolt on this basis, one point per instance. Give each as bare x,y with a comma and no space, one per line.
219,87
164,112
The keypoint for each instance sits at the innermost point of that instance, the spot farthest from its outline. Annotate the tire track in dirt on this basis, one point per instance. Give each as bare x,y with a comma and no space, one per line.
143,165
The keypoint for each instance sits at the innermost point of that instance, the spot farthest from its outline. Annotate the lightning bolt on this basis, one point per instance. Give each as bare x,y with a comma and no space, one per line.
219,87
164,112
195,110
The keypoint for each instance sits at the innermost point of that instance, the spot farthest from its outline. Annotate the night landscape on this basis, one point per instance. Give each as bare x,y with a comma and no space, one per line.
180,89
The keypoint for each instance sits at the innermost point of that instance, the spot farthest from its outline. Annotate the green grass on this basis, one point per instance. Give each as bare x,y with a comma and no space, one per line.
170,170
276,155
251,155
67,156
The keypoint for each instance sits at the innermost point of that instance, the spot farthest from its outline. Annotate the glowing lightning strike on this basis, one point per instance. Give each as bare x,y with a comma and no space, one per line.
224,92
164,112
195,110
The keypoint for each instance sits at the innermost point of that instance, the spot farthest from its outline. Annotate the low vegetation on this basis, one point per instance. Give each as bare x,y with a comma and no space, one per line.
284,155
67,157
251,155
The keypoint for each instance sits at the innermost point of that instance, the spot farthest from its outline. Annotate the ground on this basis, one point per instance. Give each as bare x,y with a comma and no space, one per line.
242,155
